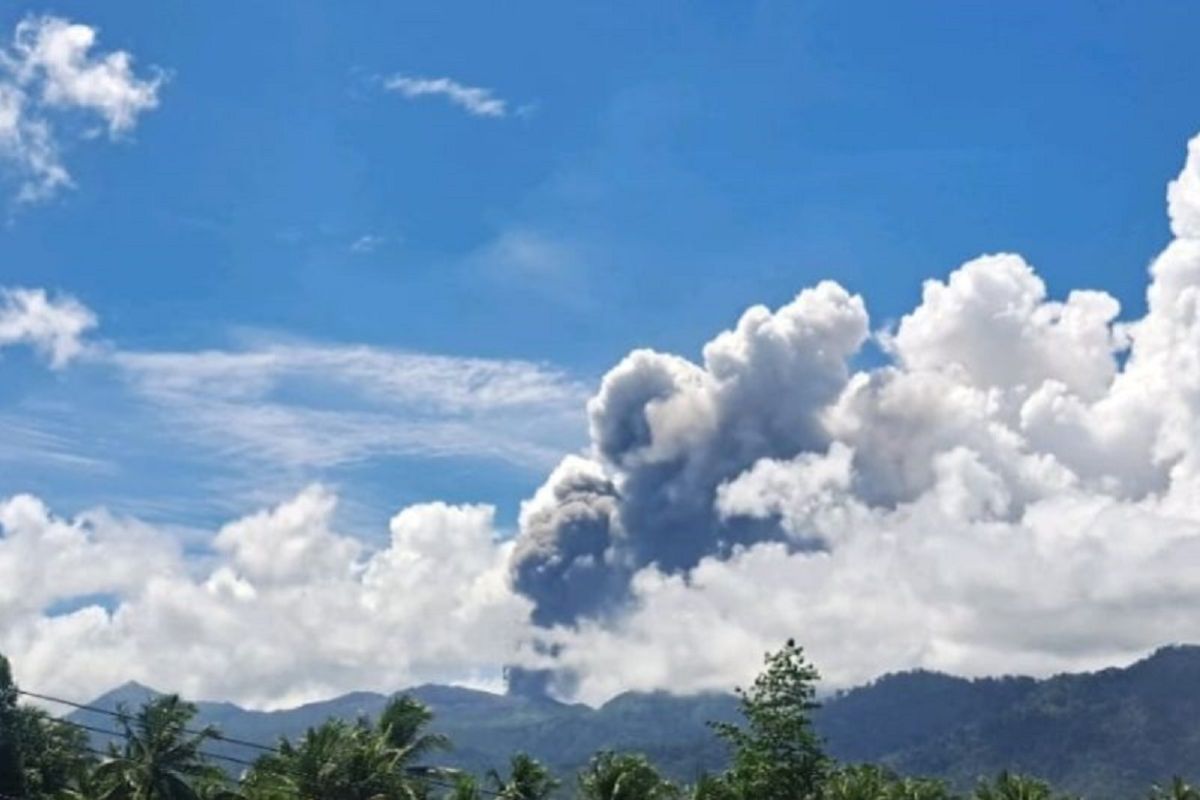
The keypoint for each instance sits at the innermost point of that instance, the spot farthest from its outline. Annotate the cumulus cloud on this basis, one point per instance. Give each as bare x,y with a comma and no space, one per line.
49,75
475,100
1017,489
1014,491
52,326
285,609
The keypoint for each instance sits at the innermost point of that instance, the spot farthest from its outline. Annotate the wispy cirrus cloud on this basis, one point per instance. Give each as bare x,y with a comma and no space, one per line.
475,100
293,410
316,405
367,243
49,72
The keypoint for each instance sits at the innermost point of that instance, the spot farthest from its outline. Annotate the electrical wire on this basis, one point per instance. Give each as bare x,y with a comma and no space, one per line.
109,712
417,772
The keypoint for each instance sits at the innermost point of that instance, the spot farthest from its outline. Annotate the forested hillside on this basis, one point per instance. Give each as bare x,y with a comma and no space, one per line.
1104,734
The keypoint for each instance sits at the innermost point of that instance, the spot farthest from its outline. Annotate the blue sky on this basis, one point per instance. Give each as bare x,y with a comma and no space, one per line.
303,304
658,169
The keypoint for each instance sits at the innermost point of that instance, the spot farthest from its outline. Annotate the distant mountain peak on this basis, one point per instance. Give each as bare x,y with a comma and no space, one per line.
131,687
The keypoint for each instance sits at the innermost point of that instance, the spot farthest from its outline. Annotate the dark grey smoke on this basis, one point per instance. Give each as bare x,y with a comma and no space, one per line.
666,433
567,558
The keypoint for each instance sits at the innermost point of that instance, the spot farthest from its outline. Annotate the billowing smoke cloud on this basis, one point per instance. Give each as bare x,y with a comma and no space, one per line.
1016,490
666,433
914,509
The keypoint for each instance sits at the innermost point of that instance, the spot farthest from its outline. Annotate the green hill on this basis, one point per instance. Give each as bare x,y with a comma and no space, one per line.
1105,734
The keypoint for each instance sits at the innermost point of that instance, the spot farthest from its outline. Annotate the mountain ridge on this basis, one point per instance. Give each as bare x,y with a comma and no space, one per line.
1107,733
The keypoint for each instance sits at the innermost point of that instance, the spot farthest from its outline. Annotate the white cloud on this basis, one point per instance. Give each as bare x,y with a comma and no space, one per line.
992,322
315,405
48,72
475,100
52,326
286,610
1018,490
367,243
54,55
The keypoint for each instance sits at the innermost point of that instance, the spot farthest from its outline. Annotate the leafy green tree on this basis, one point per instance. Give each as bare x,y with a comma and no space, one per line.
528,779
55,756
714,787
1011,786
859,782
12,765
159,759
628,776
466,787
777,754
1177,789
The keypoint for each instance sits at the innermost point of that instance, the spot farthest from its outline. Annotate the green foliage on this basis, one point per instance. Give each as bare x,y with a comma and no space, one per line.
714,787
39,757
528,779
624,776
402,725
859,782
159,759
920,789
351,761
55,756
777,754
1177,789
871,782
1011,786
466,787
12,765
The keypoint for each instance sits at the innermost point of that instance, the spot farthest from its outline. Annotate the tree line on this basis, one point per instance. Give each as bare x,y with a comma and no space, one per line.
157,754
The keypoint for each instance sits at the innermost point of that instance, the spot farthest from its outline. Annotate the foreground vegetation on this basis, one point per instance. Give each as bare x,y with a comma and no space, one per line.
157,754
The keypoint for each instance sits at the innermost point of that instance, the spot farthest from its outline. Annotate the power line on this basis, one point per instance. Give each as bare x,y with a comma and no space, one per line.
428,774
424,773
212,734
127,736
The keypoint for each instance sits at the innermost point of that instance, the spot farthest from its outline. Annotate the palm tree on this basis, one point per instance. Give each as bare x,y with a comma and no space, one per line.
160,759
859,782
1179,789
612,776
402,725
334,760
1011,786
466,787
218,787
351,761
920,789
527,779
